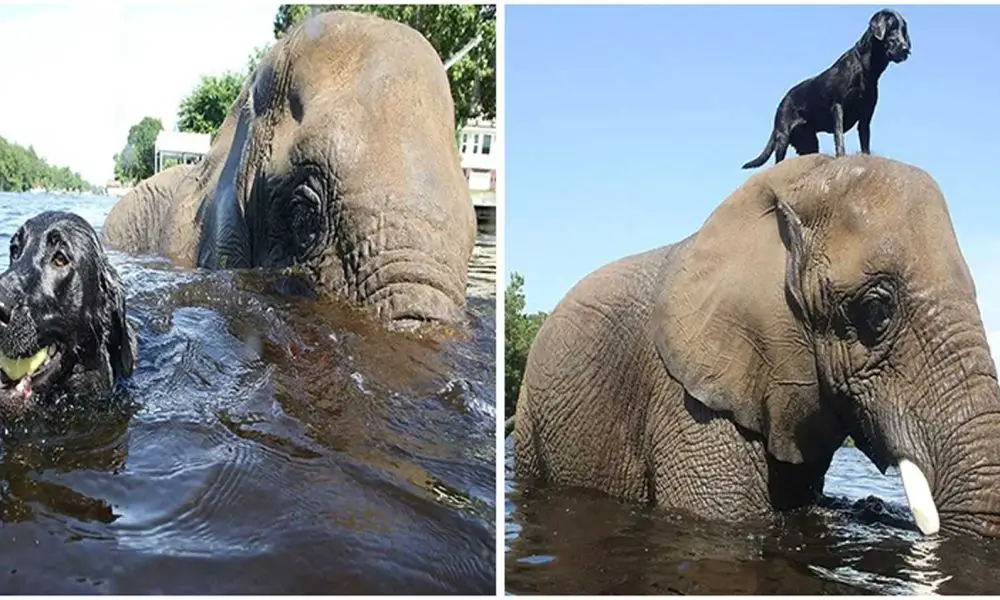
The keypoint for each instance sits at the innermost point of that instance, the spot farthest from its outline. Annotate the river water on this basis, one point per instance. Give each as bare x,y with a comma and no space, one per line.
860,540
266,444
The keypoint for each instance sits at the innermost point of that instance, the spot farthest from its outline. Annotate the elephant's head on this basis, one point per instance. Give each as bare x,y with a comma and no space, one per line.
829,297
340,157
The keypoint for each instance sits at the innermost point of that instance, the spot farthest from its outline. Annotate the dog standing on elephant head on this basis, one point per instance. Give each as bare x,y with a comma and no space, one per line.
839,97
718,375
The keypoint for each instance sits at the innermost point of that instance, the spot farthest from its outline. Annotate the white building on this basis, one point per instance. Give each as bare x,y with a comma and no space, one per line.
177,147
477,144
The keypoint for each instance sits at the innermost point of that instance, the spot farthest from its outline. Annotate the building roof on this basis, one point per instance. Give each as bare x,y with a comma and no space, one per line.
479,123
182,142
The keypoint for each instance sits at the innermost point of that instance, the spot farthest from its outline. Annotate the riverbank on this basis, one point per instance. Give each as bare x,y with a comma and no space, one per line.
482,281
22,170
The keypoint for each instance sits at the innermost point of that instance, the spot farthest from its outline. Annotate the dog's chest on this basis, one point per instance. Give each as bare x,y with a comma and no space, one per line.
858,89
857,99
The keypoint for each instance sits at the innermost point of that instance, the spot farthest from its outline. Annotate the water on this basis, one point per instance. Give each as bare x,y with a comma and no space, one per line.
860,540
269,445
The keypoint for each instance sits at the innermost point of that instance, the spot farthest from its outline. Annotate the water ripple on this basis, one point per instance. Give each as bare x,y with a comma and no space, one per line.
271,445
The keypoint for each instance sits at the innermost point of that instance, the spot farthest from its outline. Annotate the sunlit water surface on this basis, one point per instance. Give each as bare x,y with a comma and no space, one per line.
266,444
861,540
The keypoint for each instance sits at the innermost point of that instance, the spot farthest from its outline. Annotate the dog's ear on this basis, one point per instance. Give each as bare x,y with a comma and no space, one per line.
879,24
120,339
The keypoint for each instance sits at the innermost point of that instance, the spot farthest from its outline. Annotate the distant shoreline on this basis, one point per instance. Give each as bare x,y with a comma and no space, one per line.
108,192
117,191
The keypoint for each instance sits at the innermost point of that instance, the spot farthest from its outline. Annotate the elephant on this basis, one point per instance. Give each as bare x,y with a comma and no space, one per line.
717,376
339,160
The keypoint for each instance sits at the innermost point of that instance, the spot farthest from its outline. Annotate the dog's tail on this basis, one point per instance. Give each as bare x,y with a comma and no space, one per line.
768,149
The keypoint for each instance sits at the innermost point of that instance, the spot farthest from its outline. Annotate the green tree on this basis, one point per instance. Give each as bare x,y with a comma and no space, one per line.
448,27
136,160
519,332
22,169
205,108
253,61
290,14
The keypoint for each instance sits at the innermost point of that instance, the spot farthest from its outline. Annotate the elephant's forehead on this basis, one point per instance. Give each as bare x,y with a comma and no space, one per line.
886,216
882,198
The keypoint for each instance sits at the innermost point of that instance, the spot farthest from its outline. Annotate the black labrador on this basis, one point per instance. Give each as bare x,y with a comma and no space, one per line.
839,97
63,328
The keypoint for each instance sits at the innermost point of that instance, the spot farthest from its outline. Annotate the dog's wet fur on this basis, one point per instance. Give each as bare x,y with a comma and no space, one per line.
839,97
61,292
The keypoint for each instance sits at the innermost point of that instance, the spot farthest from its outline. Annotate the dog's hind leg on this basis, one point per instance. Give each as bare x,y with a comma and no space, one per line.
838,128
804,141
784,129
780,146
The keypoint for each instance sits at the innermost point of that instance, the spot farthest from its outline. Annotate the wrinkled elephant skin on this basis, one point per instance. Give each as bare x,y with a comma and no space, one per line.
339,157
824,298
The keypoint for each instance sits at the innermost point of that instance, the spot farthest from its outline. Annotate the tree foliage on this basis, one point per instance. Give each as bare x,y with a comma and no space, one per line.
290,14
255,57
520,330
22,169
136,160
206,107
448,27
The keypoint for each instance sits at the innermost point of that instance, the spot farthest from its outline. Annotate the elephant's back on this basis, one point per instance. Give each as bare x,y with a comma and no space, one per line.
157,216
626,280
576,406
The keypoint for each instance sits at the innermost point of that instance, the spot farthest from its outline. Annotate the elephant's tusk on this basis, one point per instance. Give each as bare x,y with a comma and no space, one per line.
918,495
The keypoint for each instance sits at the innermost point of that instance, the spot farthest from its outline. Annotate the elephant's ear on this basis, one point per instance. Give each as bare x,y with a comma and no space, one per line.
729,326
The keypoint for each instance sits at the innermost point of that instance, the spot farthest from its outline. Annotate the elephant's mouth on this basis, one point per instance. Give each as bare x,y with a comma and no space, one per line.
408,304
431,311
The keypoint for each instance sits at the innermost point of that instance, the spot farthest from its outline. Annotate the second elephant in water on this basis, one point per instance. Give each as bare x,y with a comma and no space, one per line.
824,298
339,156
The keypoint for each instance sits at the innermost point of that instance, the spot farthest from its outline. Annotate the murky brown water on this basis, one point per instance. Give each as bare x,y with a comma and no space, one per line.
860,541
266,444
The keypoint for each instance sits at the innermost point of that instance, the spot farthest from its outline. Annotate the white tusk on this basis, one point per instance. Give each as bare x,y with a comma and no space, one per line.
918,495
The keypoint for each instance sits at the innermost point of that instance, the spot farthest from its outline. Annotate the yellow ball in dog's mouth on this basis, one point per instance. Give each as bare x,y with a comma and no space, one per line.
17,368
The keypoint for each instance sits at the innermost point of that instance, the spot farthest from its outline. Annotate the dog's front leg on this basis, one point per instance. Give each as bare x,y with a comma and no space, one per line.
838,128
865,134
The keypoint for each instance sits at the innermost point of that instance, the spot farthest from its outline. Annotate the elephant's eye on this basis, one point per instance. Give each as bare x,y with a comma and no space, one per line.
874,316
877,315
15,251
305,220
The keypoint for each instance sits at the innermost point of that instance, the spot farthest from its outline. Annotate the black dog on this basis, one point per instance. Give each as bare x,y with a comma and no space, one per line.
839,97
62,316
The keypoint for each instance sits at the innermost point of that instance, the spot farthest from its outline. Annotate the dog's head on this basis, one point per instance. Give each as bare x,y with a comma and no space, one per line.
62,315
889,28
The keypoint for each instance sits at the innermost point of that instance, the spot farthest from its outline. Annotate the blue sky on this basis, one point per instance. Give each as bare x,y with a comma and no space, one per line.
627,125
76,76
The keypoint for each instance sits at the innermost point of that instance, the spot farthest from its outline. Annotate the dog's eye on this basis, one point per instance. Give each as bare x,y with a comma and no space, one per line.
59,259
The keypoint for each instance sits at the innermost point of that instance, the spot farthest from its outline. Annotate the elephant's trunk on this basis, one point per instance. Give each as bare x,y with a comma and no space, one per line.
406,286
967,485
941,426
947,449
